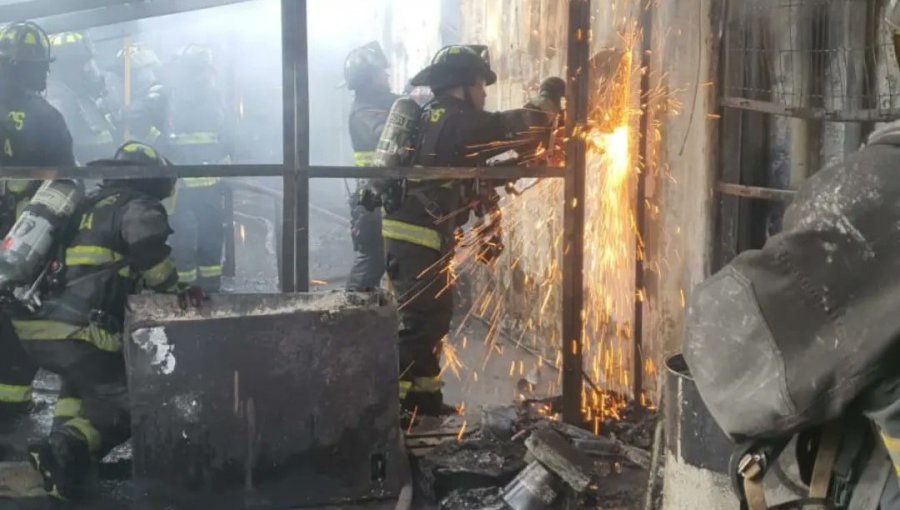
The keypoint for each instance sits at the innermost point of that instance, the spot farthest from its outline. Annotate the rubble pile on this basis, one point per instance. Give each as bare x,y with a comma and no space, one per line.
518,459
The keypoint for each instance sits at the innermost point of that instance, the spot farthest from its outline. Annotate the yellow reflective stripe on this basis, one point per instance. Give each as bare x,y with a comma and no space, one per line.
188,276
18,185
199,138
364,158
427,384
200,182
405,386
91,435
39,330
15,394
94,256
67,408
893,447
158,274
83,255
414,234
210,271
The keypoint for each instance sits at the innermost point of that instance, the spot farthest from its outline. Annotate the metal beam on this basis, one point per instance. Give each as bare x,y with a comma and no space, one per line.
33,9
138,172
318,172
437,173
637,353
123,12
813,113
578,78
757,192
295,244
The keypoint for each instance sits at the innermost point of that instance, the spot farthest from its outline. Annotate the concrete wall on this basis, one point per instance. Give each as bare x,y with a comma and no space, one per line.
680,228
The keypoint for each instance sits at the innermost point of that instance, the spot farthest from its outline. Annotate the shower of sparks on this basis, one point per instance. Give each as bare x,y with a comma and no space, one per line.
462,431
451,359
519,294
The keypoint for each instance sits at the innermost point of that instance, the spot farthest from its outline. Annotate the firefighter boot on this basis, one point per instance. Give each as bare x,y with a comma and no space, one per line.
64,463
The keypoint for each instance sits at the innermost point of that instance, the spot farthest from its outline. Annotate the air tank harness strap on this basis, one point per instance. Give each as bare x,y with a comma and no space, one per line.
817,499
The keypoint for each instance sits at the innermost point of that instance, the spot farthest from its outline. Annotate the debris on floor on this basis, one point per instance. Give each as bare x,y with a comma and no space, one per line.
517,458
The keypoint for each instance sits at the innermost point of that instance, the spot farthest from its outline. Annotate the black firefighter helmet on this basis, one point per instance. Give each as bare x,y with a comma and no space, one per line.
362,64
132,153
25,55
456,66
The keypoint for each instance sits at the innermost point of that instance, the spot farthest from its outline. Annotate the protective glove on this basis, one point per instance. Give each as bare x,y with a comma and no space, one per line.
550,94
191,296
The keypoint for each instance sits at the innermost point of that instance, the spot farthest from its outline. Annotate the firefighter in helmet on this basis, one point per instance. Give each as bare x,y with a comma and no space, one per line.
145,113
365,72
420,236
197,137
118,247
78,89
32,133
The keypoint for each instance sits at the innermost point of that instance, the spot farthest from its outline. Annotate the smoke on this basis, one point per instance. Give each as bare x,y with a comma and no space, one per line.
245,40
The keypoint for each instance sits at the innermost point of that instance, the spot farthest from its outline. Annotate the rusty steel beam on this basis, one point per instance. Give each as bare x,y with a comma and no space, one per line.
578,85
637,354
295,75
756,192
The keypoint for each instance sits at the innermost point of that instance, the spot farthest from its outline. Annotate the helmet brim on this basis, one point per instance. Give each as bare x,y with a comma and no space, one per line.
425,77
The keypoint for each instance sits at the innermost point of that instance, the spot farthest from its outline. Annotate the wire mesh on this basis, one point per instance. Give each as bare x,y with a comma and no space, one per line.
825,59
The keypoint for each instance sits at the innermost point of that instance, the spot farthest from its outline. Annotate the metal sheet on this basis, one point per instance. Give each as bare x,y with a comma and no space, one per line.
264,401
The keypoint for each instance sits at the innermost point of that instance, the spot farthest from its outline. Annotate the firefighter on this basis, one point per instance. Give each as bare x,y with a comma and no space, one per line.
118,247
365,72
33,134
197,137
78,90
419,236
145,100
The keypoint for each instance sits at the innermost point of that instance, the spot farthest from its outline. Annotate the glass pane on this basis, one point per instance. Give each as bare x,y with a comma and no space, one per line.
202,88
215,71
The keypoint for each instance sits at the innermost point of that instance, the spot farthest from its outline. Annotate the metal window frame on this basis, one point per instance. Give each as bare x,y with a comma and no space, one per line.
296,169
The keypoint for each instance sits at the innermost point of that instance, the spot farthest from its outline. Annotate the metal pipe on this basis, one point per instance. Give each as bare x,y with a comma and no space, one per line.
637,354
295,245
578,78
267,170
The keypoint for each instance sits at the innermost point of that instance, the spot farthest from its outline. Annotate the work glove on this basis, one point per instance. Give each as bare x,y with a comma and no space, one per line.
550,94
191,296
